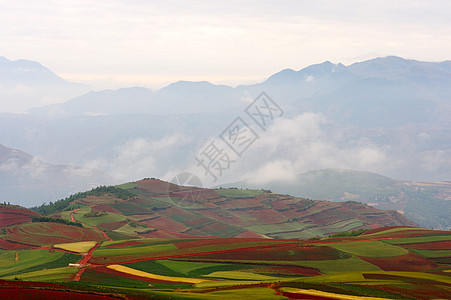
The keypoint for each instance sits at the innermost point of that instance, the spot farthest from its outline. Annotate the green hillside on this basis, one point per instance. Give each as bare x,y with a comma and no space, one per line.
153,208
424,203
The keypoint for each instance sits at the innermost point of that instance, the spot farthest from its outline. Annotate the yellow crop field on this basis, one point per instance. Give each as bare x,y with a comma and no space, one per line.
79,247
131,271
327,294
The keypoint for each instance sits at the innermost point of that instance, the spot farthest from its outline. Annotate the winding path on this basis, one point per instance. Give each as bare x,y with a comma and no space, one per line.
88,256
84,261
95,228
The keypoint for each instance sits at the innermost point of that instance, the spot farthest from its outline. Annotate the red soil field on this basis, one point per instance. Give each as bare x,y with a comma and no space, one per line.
423,291
409,262
209,242
112,226
106,208
104,271
241,203
52,233
166,223
7,245
286,270
11,216
282,253
195,232
374,226
13,290
125,244
248,234
264,216
167,234
197,222
153,186
37,294
176,253
225,219
443,245
384,229
218,228
201,195
304,296
13,219
401,234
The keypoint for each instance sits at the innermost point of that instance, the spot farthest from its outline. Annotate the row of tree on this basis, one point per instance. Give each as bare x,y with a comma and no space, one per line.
55,220
60,205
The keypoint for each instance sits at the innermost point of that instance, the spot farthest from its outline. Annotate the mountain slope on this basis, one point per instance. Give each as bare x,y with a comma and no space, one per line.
154,208
396,106
106,102
424,203
25,83
25,179
181,97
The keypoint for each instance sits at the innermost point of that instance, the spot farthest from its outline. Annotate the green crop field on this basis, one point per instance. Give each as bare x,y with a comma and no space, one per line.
238,275
128,186
238,193
419,239
79,247
275,228
184,267
351,264
95,221
226,268
433,253
16,262
142,250
370,249
56,274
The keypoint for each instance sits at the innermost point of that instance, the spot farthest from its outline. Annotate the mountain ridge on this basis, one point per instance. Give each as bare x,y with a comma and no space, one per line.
155,208
425,203
343,74
24,176
26,83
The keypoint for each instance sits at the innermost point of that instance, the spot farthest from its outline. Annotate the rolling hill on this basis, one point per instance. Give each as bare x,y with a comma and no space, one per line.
390,262
156,209
153,239
426,203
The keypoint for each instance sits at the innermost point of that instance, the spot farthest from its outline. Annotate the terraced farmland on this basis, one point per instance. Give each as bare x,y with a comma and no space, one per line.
367,265
231,244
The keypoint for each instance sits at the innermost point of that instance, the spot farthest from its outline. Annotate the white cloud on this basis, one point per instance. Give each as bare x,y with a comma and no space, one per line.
310,78
296,145
141,157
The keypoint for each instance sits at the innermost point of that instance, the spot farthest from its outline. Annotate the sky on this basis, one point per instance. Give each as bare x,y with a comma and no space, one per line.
117,43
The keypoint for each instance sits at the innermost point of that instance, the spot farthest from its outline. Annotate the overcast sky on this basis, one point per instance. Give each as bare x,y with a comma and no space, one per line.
151,43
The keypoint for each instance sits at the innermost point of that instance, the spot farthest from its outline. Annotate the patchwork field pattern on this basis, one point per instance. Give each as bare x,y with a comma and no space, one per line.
232,244
367,265
224,213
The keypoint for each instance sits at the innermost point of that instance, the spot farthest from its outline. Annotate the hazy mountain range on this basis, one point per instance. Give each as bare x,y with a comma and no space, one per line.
386,115
26,179
25,83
